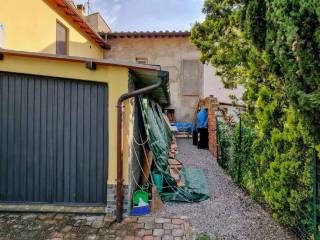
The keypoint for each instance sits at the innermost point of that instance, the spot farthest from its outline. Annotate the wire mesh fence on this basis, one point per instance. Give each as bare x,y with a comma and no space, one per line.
234,142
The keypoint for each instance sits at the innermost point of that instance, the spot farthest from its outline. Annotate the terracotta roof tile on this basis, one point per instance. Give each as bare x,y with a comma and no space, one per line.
148,34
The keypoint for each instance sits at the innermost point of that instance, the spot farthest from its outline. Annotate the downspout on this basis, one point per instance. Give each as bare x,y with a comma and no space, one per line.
120,179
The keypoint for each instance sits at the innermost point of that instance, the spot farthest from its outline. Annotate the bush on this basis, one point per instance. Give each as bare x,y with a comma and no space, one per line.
275,170
272,49
224,145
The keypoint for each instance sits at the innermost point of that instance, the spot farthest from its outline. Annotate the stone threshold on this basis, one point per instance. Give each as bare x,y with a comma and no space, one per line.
35,208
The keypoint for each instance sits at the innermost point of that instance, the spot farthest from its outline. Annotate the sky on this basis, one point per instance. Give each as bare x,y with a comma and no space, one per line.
148,15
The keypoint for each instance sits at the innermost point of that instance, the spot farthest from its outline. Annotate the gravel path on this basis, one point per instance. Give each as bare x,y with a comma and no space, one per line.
229,213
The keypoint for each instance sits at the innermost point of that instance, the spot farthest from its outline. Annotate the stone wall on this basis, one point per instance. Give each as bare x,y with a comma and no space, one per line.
211,103
111,200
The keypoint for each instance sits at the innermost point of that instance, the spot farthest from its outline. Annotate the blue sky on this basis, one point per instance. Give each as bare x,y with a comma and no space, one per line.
148,15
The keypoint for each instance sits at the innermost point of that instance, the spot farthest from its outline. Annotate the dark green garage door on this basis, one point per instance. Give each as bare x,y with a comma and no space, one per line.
53,140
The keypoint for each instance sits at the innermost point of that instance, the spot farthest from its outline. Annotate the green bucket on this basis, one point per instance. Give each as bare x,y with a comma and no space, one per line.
158,180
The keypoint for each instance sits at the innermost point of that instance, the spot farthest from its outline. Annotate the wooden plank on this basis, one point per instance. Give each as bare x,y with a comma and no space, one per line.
146,166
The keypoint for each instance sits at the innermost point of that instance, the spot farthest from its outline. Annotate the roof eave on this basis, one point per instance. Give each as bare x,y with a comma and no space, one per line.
54,57
160,34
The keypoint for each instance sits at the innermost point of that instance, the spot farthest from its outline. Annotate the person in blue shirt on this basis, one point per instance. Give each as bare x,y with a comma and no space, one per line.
202,129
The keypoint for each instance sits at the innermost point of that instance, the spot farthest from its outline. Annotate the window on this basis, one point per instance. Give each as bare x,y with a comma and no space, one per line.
191,78
62,39
142,60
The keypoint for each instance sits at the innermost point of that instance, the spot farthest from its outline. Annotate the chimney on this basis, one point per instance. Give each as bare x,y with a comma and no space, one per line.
81,9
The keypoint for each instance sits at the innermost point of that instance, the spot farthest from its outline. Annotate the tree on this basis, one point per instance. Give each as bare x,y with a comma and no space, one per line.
272,48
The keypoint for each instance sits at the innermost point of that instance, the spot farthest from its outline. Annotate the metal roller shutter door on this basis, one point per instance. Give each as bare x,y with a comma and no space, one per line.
53,140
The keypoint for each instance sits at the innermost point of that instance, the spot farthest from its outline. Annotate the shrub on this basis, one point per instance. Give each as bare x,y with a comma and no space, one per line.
272,49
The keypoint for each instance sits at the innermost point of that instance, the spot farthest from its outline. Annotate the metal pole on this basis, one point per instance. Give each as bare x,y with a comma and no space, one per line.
315,197
240,151
218,140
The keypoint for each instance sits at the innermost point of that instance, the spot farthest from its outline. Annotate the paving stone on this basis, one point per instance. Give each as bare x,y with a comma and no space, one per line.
49,222
143,232
85,227
43,217
138,226
167,237
99,218
122,233
149,225
162,220
158,225
158,232
103,231
178,238
147,238
130,219
168,226
90,218
78,223
109,219
67,229
97,224
145,219
91,237
59,216
129,238
57,235
177,232
70,236
28,216
104,238
177,221
175,226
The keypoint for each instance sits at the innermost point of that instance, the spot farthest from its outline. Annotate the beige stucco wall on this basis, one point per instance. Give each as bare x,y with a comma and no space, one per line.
214,86
167,52
170,53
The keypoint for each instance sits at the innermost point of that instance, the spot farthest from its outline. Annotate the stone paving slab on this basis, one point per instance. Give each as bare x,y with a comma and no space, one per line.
90,227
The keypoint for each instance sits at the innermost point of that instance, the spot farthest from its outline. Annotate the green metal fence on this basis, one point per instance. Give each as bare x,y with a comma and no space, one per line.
225,150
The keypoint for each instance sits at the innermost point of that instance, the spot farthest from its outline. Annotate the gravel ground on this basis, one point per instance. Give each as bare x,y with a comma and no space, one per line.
229,213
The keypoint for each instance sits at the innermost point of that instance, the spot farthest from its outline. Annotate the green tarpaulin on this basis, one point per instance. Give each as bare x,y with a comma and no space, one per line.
160,138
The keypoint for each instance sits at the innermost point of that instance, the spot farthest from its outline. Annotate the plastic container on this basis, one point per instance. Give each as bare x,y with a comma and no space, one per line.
140,211
140,194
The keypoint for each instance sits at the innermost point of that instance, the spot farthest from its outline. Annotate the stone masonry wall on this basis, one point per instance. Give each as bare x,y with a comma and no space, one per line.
212,105
111,200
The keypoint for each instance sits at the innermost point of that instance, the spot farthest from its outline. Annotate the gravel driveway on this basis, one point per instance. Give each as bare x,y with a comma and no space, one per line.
229,213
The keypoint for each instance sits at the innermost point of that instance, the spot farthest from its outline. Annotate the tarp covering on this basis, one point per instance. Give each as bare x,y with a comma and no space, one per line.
184,126
160,138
